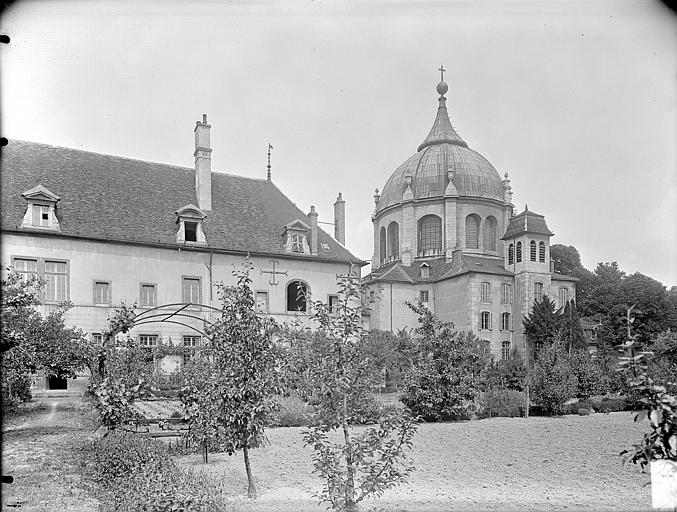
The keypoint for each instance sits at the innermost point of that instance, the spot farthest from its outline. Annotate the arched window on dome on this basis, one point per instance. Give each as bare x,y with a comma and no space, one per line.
532,250
541,252
382,246
490,234
511,254
430,236
393,241
519,252
472,229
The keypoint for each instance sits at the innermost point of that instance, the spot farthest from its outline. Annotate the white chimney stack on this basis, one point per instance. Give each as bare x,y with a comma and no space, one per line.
312,217
203,164
340,219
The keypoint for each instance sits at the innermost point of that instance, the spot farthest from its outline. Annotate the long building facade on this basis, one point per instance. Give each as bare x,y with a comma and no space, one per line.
101,230
445,233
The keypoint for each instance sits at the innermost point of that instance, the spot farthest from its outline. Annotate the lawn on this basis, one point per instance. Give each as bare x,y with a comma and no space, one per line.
565,463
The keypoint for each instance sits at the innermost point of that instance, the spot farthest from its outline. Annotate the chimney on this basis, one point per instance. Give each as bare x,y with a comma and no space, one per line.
203,165
312,216
340,219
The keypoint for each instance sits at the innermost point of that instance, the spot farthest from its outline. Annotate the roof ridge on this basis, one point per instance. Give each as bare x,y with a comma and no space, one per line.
139,160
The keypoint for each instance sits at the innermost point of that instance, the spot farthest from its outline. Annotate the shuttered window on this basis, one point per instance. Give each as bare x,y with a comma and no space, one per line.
519,252
147,295
485,320
541,252
563,296
102,292
382,245
430,236
538,291
511,254
490,234
393,240
506,294
485,292
191,290
505,322
532,250
471,232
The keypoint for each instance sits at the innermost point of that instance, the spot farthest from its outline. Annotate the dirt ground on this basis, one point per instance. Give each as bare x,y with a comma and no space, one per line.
37,450
566,463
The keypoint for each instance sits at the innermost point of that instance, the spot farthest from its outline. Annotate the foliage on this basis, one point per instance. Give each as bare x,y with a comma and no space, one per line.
542,325
662,367
507,373
502,402
571,331
232,399
115,402
552,381
338,379
447,378
588,374
31,342
391,354
654,403
135,473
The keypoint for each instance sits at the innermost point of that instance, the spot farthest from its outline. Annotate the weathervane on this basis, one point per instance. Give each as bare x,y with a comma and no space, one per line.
442,70
269,148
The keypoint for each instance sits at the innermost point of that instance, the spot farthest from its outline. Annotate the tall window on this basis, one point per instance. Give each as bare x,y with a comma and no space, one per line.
148,340
424,296
297,243
382,245
472,228
485,320
511,254
541,252
190,231
102,292
490,234
297,296
56,277
532,250
506,293
538,291
262,301
191,290
485,292
148,295
333,303
505,322
430,236
26,268
519,252
563,296
505,350
393,240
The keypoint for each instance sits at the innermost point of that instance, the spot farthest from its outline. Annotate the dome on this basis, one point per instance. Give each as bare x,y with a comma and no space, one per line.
443,150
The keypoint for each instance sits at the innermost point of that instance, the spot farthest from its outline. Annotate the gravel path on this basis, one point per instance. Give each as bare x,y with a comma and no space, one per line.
567,463
37,452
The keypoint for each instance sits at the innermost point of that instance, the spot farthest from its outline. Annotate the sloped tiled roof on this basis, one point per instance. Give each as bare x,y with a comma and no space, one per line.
105,197
440,269
526,222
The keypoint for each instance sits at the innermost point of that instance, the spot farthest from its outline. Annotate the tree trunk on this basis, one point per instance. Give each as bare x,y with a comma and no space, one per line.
350,505
526,393
204,453
251,491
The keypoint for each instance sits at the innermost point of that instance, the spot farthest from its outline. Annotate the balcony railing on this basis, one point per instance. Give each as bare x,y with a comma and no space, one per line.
430,253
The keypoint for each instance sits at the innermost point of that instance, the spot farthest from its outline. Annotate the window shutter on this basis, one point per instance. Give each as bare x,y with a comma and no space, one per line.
471,235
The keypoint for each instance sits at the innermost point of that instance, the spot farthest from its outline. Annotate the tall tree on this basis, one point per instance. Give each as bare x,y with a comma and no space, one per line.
542,325
571,330
567,259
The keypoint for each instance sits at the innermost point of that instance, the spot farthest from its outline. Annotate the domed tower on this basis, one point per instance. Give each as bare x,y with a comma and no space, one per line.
446,197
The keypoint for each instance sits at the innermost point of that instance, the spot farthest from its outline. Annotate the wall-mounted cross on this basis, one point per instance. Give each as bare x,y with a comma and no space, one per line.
274,272
442,70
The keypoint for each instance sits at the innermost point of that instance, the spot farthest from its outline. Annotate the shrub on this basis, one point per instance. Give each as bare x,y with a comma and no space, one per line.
552,381
135,473
502,402
115,400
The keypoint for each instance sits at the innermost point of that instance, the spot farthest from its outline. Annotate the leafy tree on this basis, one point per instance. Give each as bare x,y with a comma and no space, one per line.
233,400
567,259
390,354
447,378
354,465
552,381
662,367
507,373
570,328
543,324
589,376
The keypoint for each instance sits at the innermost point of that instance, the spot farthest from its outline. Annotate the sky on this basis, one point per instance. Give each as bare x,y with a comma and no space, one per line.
576,100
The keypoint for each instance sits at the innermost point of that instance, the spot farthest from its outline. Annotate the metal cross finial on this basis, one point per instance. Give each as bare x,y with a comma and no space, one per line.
442,70
269,148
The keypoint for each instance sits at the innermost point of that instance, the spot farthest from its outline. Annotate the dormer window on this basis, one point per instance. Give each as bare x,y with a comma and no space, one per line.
425,271
189,218
296,236
41,209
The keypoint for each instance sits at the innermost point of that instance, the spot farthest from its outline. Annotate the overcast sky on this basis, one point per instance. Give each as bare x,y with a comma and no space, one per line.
576,100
